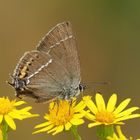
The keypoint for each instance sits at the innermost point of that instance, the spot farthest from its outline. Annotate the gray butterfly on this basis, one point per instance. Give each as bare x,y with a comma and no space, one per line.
52,71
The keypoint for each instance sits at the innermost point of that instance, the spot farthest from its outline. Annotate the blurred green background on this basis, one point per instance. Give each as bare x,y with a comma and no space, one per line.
108,36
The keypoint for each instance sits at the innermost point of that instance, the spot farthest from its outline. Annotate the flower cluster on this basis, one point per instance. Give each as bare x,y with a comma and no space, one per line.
9,112
110,114
62,115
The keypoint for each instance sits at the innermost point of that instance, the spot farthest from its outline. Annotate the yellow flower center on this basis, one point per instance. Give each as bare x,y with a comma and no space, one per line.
61,113
6,106
105,117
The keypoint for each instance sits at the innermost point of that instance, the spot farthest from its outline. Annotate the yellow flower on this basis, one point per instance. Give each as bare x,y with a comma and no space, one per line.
119,135
9,111
62,116
110,114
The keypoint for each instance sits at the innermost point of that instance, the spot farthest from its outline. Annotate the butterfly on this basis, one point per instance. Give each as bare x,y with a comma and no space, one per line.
52,71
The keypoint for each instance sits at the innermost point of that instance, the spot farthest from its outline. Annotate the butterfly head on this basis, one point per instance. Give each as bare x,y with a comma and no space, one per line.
18,84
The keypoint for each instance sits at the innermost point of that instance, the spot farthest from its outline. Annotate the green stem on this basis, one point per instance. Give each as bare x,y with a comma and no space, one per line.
5,131
103,131
75,132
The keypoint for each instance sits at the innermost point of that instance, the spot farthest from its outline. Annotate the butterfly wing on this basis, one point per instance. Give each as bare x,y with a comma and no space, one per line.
61,45
29,63
33,64
51,81
52,68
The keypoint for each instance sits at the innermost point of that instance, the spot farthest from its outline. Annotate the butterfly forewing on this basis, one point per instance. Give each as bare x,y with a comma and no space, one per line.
58,33
61,45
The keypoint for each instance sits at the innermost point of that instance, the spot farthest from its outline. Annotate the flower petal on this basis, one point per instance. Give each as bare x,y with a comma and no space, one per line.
1,118
111,103
78,116
43,124
44,129
119,131
20,112
93,124
80,106
115,137
90,104
24,113
52,130
26,109
127,112
127,117
76,121
90,116
58,130
15,115
30,116
68,126
47,117
100,102
19,103
120,123
10,122
51,105
122,106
